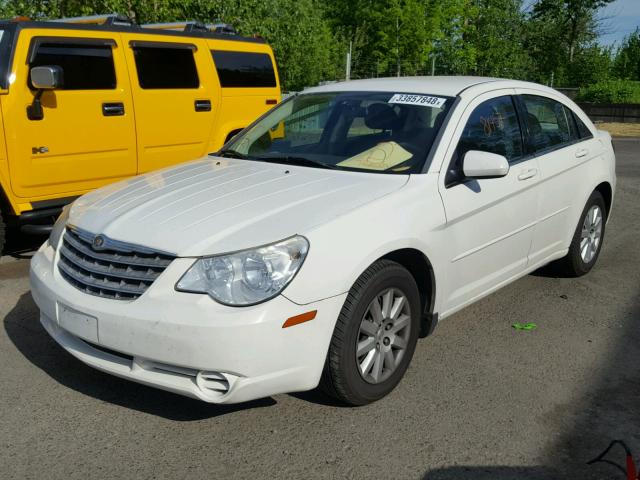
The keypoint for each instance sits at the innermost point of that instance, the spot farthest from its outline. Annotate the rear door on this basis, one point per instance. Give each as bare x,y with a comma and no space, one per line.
490,221
175,98
249,83
553,136
87,135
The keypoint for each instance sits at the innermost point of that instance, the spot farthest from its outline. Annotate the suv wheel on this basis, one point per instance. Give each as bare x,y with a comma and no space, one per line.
3,233
375,335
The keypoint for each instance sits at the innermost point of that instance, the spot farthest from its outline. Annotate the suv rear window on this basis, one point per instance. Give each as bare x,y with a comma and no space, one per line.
242,69
165,68
84,66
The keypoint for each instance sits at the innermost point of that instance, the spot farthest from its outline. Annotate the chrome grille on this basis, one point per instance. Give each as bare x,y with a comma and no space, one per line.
115,270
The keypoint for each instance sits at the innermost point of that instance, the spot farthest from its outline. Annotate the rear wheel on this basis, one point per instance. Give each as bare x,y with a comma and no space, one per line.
375,335
3,233
587,239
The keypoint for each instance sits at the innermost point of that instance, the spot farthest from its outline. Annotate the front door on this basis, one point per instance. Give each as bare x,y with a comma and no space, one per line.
86,136
490,221
175,93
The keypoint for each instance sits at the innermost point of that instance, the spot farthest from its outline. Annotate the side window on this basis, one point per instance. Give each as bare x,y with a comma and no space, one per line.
492,127
573,129
583,131
85,66
244,69
548,121
166,67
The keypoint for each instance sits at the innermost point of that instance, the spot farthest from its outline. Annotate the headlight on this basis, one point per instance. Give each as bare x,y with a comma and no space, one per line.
58,227
247,277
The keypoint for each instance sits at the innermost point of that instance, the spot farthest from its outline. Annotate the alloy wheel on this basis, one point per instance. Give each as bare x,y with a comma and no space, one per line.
383,336
591,234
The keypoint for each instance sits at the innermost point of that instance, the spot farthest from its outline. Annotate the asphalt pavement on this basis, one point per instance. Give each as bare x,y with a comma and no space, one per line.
480,400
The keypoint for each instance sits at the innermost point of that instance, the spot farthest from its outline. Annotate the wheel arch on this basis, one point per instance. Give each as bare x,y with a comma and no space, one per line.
421,269
606,191
232,134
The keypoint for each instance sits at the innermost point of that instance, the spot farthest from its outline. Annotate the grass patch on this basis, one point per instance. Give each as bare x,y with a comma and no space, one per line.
620,129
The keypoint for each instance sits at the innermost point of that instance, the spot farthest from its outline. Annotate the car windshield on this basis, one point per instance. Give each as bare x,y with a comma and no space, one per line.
384,132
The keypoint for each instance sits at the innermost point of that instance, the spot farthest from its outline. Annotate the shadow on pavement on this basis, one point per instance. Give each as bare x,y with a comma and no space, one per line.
609,410
24,330
492,473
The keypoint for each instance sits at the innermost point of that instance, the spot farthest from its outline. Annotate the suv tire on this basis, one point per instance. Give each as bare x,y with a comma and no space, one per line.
3,233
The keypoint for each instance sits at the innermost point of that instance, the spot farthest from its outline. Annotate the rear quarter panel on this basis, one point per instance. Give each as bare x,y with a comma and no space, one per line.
5,185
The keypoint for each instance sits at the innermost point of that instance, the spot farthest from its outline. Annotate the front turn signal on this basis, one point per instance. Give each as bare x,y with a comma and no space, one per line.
298,319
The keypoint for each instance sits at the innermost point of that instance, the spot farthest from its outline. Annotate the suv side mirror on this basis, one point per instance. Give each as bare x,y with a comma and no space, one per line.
47,77
477,164
43,78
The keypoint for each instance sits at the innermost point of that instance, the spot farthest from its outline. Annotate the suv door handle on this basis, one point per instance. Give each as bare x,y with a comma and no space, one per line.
528,174
203,105
581,152
112,109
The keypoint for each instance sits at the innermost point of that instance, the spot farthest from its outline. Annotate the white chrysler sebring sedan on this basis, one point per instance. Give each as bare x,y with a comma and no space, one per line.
322,241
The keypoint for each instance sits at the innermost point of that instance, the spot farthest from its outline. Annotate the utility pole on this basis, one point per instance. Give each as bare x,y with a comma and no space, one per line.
398,46
348,72
433,65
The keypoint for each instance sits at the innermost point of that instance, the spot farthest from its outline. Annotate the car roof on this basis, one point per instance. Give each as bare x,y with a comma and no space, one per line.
449,86
43,24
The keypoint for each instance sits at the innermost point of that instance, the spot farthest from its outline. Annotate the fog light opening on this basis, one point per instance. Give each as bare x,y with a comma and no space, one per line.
215,384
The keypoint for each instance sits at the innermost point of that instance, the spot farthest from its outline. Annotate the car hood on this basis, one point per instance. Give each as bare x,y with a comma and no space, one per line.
218,205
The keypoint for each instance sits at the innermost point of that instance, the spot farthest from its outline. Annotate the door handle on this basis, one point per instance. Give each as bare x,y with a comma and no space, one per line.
528,174
203,105
582,152
112,109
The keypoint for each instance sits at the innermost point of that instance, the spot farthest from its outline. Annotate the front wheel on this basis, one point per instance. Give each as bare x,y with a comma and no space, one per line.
375,335
587,239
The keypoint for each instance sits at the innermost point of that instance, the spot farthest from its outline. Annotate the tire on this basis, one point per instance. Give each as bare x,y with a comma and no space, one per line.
3,233
357,380
576,263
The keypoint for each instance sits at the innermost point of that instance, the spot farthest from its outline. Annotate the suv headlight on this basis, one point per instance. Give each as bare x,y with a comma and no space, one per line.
249,276
58,227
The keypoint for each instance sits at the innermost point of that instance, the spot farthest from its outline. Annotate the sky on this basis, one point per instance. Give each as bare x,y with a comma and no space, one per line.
619,19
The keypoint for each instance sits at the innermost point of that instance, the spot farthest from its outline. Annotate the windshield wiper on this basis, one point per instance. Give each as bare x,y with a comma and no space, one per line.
232,154
302,161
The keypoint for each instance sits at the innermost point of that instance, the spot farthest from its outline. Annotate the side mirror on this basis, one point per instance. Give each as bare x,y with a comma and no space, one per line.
43,78
47,77
477,164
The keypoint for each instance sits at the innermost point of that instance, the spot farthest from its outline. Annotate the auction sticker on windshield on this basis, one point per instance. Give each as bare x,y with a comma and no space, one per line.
425,100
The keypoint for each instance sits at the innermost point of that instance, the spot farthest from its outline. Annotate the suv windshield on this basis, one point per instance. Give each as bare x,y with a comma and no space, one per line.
364,131
6,44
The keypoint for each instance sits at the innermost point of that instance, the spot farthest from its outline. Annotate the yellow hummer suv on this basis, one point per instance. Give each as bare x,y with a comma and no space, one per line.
88,101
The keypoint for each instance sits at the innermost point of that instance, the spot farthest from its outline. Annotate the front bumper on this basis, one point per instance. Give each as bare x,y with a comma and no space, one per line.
187,343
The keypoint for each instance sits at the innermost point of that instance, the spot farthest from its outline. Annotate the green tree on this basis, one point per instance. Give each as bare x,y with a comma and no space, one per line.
497,37
575,20
592,64
455,52
627,59
551,39
388,36
559,32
